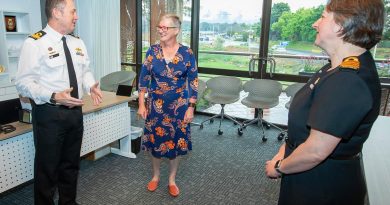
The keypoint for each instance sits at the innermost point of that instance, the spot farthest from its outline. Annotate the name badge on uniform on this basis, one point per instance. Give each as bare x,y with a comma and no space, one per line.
52,53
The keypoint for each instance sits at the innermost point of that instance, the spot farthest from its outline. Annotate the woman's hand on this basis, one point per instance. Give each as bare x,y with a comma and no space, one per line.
189,116
270,170
142,111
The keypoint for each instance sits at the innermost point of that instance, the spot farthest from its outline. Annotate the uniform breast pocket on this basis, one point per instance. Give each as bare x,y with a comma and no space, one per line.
57,62
55,67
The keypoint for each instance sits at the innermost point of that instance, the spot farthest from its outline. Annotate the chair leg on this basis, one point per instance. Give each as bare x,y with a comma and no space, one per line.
222,116
259,119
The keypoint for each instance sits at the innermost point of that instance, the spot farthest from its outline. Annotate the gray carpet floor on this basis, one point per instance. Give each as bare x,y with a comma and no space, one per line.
221,169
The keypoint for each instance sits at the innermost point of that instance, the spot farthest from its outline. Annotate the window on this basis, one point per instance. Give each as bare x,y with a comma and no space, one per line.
128,28
291,38
381,51
229,33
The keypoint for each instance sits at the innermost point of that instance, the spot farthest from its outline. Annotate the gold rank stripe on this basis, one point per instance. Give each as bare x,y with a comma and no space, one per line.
37,35
351,62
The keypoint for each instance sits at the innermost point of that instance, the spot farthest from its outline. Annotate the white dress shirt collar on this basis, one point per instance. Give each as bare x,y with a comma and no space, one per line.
56,36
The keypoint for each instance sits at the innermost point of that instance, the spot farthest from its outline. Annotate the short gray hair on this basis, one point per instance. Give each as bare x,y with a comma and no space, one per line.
173,18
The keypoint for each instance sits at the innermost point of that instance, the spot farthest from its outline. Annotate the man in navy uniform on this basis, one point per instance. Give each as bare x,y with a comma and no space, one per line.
54,72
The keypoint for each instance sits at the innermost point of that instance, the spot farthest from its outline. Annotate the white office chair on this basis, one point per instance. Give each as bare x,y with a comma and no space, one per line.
291,90
223,90
262,94
111,81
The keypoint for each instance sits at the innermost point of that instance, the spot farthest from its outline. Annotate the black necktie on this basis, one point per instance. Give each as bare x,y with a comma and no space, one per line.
72,73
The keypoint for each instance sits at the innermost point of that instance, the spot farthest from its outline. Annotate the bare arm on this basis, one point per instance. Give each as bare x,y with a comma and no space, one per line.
142,111
309,154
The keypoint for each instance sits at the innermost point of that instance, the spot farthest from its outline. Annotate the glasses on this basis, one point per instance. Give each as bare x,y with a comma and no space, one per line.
165,28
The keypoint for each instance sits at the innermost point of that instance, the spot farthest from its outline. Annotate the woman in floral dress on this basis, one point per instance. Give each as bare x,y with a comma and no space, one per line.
170,77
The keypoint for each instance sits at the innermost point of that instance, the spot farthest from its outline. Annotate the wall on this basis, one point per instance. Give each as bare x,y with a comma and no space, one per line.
33,8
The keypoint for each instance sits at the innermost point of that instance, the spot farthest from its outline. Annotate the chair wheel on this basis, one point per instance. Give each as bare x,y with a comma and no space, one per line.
239,131
281,136
264,139
201,126
267,126
220,132
211,121
235,123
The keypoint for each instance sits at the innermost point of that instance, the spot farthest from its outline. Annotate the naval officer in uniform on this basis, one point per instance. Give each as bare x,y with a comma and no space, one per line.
54,73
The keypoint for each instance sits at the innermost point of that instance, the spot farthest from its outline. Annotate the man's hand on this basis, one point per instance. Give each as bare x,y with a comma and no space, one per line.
64,98
96,94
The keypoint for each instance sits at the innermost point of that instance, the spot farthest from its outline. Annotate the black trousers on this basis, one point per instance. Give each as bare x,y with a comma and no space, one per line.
58,133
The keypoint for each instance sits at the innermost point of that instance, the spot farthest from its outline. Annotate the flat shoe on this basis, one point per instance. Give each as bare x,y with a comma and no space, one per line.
173,190
152,185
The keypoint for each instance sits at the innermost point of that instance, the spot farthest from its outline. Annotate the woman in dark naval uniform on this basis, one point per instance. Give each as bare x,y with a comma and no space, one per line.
331,116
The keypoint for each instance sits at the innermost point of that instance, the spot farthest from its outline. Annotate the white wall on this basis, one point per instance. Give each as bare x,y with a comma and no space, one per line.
99,27
31,6
8,90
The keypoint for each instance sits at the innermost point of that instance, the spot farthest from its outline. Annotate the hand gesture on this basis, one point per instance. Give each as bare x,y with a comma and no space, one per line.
96,94
64,98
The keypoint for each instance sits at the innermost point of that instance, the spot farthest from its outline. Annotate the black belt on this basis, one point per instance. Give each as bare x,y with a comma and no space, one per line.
353,157
56,105
293,146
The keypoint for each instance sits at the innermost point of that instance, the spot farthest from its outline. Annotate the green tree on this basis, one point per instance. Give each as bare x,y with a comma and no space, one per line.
298,26
386,29
277,10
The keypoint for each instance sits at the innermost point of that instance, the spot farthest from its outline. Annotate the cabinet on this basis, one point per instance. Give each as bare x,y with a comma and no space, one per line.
11,42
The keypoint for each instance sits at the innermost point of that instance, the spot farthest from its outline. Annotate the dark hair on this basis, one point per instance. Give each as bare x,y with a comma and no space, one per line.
362,20
51,4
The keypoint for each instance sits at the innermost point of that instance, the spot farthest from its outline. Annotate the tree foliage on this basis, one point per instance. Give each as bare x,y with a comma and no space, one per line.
277,10
297,26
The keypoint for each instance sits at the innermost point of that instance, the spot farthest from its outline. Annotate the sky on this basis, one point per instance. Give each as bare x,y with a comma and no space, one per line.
248,11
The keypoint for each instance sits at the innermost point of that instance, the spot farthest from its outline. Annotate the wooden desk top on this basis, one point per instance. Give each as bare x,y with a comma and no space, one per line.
109,99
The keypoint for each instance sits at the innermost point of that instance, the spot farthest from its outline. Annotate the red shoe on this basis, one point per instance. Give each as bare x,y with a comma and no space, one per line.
152,185
173,190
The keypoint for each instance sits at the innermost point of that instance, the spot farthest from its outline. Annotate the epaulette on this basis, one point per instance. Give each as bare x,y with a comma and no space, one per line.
37,35
72,34
350,63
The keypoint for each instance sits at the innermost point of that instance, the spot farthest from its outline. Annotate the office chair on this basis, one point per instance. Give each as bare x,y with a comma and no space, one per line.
291,90
111,81
262,94
223,90
201,89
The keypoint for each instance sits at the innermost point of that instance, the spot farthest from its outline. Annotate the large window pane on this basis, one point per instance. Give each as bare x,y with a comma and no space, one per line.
153,10
291,39
229,32
127,32
382,51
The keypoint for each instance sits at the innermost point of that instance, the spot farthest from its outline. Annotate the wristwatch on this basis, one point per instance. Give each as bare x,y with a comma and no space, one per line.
53,99
277,166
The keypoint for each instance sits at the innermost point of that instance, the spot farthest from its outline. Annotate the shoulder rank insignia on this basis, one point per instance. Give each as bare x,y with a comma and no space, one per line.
350,63
37,35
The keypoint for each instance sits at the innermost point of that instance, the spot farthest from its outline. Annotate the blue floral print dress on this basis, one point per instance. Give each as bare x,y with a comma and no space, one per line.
169,85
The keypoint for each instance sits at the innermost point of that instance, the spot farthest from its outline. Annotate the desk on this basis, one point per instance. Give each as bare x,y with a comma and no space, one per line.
103,124
376,162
